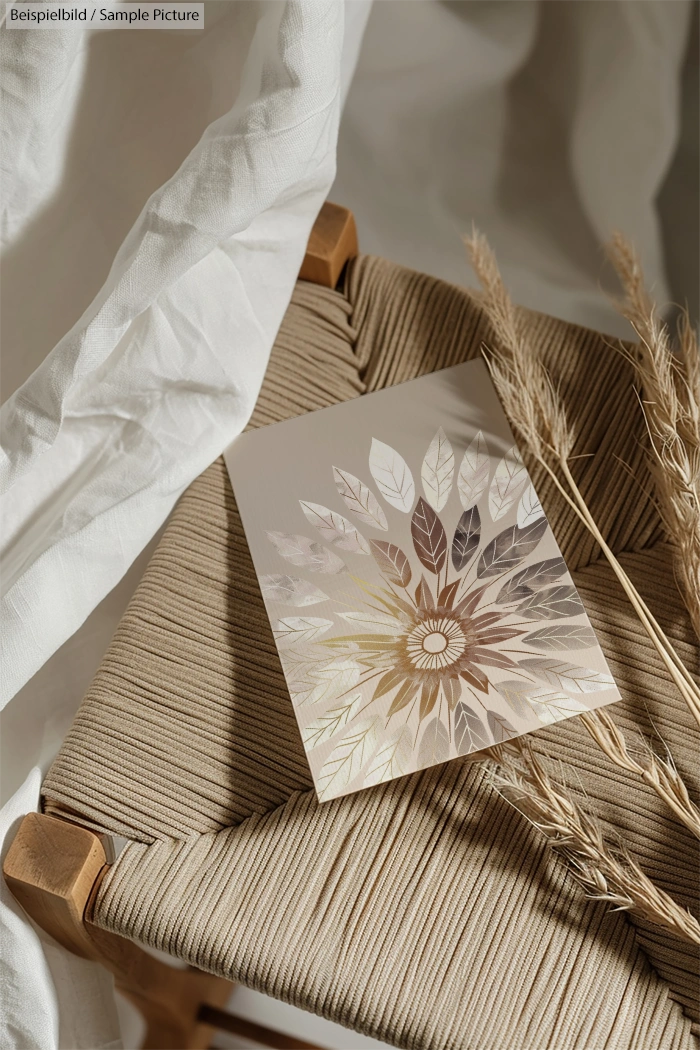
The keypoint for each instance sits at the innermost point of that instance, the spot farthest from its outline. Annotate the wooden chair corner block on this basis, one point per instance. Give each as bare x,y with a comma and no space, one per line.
332,243
54,869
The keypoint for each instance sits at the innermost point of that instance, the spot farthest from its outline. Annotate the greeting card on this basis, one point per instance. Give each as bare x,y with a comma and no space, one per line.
420,604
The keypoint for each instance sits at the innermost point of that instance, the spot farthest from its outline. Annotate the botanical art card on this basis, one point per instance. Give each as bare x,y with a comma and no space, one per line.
420,604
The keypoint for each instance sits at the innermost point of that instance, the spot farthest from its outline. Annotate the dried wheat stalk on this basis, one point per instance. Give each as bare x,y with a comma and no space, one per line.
531,402
670,399
605,875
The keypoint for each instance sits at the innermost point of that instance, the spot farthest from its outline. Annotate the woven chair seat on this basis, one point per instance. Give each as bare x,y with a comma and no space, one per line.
425,912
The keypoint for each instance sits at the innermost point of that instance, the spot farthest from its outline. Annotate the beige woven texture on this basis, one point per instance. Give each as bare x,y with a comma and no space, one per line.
425,912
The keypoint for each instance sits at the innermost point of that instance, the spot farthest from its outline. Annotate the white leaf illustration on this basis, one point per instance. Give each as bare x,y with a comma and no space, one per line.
291,590
473,472
331,723
292,630
567,676
347,759
508,482
374,621
360,499
335,528
554,705
392,475
438,470
529,508
391,760
325,683
306,553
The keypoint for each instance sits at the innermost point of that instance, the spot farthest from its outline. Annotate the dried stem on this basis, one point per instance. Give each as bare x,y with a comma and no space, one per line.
605,875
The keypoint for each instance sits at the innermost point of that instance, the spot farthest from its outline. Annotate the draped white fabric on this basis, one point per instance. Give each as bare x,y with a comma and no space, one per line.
157,192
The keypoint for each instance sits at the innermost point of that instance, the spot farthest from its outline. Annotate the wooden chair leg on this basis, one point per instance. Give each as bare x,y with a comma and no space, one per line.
54,868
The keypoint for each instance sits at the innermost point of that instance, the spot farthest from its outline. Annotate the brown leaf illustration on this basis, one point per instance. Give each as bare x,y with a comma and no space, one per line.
435,744
388,682
533,578
424,599
452,688
475,678
470,734
428,696
561,638
467,605
492,658
466,538
447,594
509,548
403,697
392,562
551,604
429,537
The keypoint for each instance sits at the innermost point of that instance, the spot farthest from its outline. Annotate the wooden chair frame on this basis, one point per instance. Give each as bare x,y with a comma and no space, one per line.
54,866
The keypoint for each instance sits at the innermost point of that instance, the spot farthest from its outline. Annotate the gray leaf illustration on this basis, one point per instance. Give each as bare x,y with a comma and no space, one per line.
473,472
533,578
561,638
291,590
470,734
551,604
360,499
567,676
438,470
466,538
435,744
306,553
500,727
509,548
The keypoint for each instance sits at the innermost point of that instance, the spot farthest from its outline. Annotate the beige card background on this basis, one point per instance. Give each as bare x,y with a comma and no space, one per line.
419,601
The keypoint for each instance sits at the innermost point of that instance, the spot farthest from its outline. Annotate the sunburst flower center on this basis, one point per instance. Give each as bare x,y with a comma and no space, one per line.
435,643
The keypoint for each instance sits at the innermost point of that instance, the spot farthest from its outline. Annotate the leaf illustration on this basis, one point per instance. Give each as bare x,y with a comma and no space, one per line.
424,598
326,682
403,697
515,693
429,537
529,508
335,528
438,470
371,620
392,760
552,706
473,472
452,688
466,538
567,676
470,734
509,548
306,554
360,499
509,479
428,698
347,759
291,590
561,638
331,723
447,595
392,475
531,579
476,678
293,630
387,682
392,562
551,604
500,727
434,746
